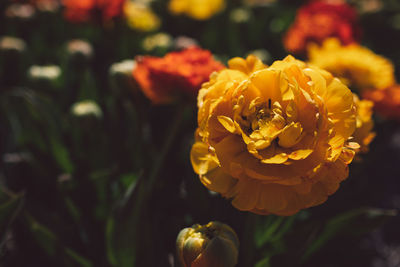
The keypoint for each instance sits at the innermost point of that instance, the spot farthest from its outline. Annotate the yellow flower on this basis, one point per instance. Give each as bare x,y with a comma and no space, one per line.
196,9
158,40
211,245
273,139
140,17
357,66
364,123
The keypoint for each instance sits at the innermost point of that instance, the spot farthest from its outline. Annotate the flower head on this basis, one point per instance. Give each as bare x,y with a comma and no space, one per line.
319,20
158,40
140,17
213,244
363,134
9,43
162,79
196,9
358,67
48,72
23,12
386,101
86,108
85,10
273,139
42,5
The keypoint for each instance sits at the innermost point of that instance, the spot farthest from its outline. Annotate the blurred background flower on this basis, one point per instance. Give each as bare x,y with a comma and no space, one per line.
363,134
86,10
319,20
386,101
357,66
140,17
200,10
93,170
176,74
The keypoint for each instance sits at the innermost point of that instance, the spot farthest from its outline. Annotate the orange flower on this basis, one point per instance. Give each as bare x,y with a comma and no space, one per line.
387,101
84,10
319,20
161,79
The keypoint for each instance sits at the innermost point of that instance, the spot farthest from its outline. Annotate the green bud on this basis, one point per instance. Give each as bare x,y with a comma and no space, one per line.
240,15
212,245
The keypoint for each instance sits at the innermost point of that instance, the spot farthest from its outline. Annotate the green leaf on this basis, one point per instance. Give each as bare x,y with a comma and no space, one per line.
50,243
265,262
121,232
8,211
61,155
76,258
272,229
266,229
354,222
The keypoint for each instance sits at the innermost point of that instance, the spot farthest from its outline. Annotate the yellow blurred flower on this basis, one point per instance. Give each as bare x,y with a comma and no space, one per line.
358,67
196,9
211,245
364,123
273,139
157,40
140,17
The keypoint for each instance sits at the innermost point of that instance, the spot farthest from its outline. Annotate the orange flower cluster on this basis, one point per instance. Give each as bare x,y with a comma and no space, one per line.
162,79
386,101
319,20
84,10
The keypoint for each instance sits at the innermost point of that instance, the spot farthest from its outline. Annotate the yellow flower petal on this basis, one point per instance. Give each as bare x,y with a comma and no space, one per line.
291,135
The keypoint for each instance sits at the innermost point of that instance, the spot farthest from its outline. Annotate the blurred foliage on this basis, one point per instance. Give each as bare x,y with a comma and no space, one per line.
115,190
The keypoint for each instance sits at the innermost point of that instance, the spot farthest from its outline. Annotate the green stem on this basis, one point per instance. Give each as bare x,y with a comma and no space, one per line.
166,147
247,241
147,186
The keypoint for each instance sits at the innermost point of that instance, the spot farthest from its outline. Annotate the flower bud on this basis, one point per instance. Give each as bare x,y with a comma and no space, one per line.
8,43
121,76
23,12
240,15
184,42
11,60
212,245
49,72
86,108
160,41
49,6
80,52
262,54
45,77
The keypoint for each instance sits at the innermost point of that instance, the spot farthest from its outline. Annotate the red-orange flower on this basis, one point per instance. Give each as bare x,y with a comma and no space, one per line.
162,79
84,10
386,101
319,20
